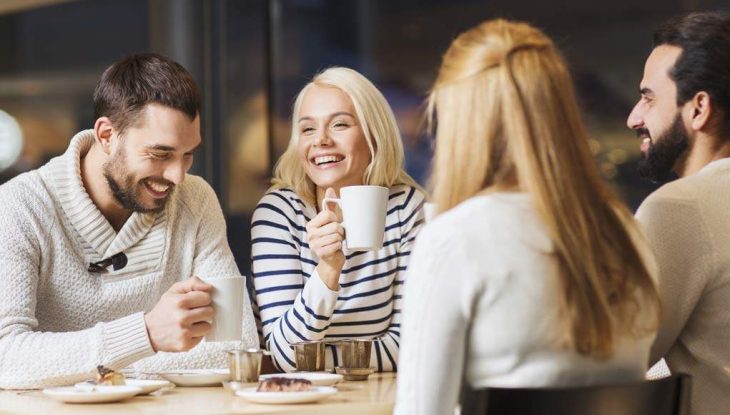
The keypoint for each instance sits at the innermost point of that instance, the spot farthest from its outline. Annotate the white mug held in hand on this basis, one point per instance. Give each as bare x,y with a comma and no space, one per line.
227,299
363,213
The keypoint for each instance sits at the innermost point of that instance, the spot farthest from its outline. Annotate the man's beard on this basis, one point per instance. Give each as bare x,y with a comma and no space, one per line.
658,163
126,190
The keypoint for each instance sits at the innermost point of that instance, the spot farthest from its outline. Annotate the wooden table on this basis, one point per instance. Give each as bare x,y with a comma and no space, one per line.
373,397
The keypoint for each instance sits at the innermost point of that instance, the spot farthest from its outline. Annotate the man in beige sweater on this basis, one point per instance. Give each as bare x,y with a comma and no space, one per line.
683,119
101,248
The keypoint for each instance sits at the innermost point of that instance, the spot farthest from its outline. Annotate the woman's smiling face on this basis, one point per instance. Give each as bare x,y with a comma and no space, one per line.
332,146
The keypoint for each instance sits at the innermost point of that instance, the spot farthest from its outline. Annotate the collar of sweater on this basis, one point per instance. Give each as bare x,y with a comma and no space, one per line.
717,164
81,211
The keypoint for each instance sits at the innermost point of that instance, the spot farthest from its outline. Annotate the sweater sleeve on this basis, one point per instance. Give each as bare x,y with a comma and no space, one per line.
684,254
433,343
35,359
294,306
386,347
213,258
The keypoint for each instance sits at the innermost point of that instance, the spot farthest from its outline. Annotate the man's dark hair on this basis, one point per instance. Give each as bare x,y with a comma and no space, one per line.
137,80
704,64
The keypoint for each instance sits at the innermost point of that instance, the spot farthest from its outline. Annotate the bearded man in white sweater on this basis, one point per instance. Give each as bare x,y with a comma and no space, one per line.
683,118
101,248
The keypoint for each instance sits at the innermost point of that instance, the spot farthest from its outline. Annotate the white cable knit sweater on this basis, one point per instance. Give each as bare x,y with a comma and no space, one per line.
57,320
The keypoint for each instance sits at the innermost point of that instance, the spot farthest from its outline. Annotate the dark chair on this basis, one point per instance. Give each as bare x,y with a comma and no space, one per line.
668,396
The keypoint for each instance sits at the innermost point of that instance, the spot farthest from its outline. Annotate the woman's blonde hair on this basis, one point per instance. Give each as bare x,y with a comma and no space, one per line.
379,127
507,119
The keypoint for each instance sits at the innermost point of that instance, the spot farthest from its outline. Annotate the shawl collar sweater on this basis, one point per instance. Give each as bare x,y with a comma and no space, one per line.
58,321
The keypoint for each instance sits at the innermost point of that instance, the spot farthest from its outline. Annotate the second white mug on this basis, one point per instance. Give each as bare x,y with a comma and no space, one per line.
363,213
228,299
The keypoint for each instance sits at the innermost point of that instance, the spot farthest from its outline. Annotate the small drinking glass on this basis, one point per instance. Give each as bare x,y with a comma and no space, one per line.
309,356
245,364
356,353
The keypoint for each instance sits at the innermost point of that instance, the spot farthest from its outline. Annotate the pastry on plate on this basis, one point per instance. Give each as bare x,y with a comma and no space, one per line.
108,377
282,384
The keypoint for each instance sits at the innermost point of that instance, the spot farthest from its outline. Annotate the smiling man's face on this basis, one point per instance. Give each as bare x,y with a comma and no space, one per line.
656,118
151,158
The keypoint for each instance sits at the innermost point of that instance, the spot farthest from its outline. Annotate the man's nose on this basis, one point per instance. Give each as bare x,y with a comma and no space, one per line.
635,119
175,173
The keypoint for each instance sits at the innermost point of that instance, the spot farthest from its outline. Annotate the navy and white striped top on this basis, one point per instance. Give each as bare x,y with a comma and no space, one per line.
294,305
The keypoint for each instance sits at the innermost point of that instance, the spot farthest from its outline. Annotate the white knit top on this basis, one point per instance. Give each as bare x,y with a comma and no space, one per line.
688,225
57,320
482,304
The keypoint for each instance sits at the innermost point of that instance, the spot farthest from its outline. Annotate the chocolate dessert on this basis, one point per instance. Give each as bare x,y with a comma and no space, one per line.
281,384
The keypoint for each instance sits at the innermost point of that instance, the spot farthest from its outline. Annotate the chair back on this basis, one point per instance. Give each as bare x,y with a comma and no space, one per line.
668,396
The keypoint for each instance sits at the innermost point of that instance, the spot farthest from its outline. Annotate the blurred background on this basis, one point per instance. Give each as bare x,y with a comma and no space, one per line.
251,57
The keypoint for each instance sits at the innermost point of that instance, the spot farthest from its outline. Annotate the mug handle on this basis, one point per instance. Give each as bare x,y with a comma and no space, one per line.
327,200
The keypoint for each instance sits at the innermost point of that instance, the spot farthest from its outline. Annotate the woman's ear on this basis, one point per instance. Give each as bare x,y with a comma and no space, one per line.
103,132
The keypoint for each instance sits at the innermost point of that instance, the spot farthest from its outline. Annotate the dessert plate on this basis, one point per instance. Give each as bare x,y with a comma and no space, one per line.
315,394
317,378
196,377
147,385
99,394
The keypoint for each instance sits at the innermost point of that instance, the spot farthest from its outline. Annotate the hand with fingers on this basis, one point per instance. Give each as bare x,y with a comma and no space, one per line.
325,235
182,317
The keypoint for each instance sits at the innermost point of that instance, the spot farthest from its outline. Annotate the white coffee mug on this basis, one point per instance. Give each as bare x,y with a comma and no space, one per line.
363,213
227,295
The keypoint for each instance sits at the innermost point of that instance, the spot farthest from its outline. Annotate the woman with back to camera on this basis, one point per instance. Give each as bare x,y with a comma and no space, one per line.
306,287
533,274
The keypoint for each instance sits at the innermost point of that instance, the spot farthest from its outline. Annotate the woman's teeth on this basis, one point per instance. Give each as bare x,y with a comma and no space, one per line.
326,159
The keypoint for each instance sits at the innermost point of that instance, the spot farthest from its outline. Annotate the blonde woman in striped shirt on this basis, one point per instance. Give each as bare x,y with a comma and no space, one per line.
306,287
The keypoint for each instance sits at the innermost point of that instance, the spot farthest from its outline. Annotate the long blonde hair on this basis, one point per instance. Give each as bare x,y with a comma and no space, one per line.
379,127
507,119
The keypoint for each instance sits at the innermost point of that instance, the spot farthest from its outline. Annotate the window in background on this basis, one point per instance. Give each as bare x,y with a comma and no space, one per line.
50,60
398,45
246,119
251,57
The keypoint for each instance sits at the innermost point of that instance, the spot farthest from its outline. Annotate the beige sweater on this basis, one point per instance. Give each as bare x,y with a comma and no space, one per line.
688,224
57,320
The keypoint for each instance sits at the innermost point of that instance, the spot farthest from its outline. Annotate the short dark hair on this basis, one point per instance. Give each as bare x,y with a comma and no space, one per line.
130,84
704,63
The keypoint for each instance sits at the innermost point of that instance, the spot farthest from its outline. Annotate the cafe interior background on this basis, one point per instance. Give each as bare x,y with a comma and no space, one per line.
251,57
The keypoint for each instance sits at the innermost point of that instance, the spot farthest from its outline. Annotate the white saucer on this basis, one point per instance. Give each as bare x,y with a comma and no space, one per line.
147,385
317,378
314,395
72,394
196,377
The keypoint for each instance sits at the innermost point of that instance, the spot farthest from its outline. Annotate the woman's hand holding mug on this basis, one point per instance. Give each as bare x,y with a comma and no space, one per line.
325,235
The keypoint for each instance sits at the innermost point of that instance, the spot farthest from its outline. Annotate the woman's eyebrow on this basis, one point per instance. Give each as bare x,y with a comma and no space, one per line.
308,118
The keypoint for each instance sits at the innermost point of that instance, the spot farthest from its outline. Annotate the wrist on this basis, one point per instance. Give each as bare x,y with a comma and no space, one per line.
329,275
149,335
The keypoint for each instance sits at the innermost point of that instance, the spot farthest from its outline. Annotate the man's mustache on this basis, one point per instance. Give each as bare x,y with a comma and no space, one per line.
642,132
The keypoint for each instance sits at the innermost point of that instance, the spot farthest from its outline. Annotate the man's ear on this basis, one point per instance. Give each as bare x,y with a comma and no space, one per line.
702,109
103,133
